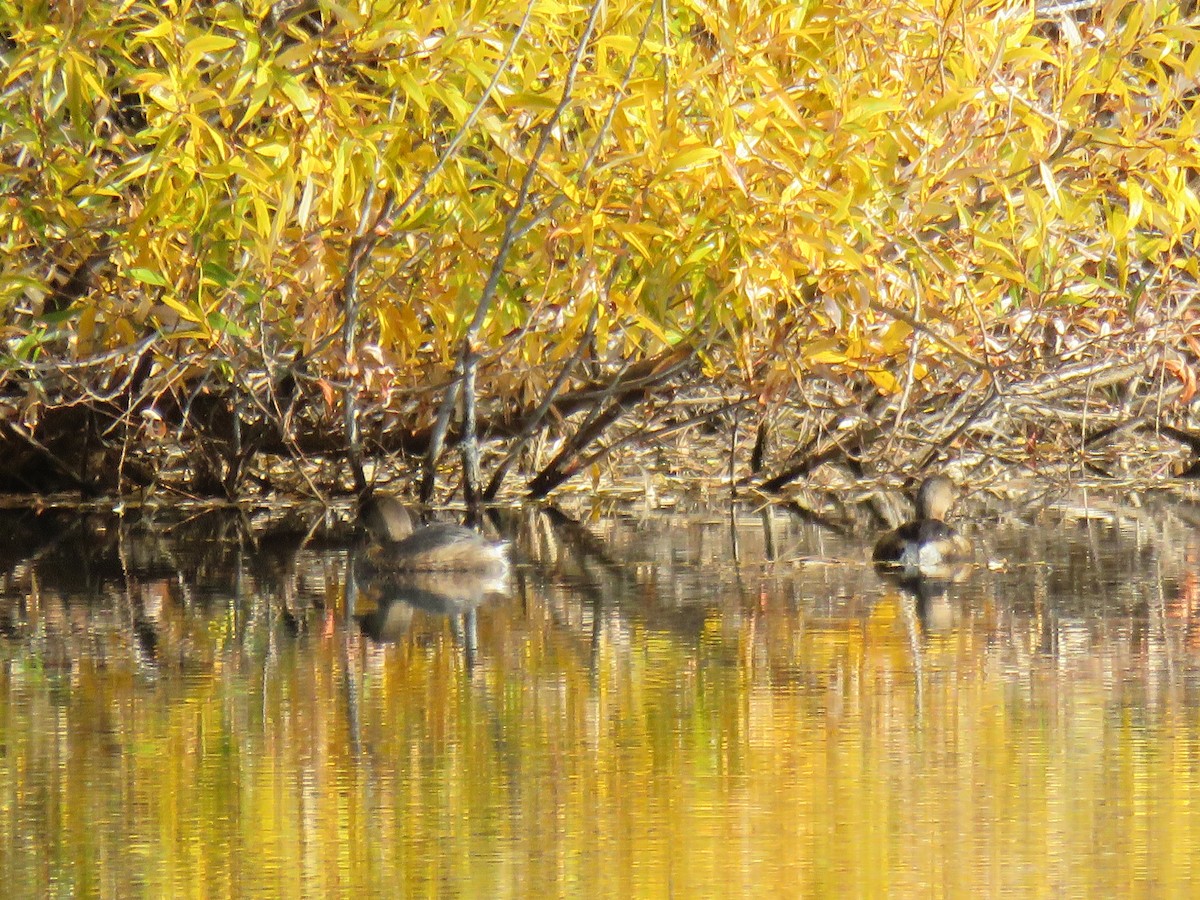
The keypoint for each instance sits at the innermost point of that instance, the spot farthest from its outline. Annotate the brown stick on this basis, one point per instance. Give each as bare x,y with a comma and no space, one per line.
469,446
567,462
535,419
467,356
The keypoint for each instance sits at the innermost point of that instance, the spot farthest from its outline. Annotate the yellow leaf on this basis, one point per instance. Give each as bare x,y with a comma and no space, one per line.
884,380
208,43
294,91
630,234
164,28
258,96
1136,202
532,101
687,159
655,329
1118,224
824,351
185,312
1051,185
895,340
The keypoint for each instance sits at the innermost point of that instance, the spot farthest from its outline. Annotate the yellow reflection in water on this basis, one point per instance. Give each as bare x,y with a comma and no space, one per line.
591,750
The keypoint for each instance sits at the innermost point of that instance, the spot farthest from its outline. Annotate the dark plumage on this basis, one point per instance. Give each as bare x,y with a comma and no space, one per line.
385,518
399,547
926,542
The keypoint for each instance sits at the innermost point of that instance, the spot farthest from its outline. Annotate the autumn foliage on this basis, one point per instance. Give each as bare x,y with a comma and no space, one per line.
231,231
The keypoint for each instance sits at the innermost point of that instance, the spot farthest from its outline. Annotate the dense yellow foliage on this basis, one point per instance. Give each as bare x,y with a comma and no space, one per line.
780,185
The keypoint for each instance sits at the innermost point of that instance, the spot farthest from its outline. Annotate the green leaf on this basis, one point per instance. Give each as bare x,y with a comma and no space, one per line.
146,276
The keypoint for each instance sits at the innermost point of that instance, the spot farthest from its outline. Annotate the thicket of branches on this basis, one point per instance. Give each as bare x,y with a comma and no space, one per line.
302,245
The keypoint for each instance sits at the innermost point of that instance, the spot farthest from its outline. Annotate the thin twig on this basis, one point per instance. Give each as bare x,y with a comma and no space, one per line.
466,356
539,413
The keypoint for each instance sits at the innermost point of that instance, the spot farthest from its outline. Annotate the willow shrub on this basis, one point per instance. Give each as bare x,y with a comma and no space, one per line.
781,185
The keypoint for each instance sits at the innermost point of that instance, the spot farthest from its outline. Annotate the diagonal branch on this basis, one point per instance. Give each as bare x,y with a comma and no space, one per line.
466,357
367,238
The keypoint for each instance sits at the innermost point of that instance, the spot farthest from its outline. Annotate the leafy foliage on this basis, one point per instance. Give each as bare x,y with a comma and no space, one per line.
786,188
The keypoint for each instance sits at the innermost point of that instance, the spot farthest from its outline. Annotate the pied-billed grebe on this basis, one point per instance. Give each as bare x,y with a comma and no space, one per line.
398,546
927,542
385,518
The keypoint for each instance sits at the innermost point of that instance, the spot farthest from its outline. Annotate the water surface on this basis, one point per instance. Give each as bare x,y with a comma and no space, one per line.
698,704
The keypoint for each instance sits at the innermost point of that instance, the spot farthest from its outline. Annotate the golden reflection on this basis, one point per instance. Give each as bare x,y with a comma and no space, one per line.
639,716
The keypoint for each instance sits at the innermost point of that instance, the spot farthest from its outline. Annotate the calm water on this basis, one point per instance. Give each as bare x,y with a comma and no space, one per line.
655,705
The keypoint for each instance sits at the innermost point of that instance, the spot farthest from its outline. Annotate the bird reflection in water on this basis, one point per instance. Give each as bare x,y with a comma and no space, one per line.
392,599
925,556
441,569
930,589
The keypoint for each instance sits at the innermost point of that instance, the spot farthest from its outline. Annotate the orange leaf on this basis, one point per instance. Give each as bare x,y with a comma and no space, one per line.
327,391
1185,374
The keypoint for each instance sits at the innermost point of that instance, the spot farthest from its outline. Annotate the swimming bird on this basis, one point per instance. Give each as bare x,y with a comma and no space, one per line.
927,542
399,546
385,518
